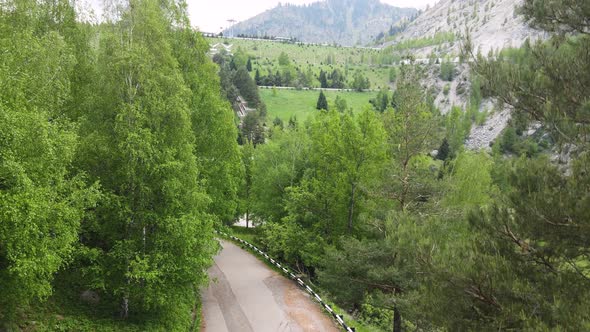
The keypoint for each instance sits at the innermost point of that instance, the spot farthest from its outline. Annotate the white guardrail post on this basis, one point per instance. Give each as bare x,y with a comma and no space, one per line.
339,318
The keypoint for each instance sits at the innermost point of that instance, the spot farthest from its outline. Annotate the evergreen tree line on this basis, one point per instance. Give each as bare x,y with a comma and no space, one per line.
461,241
118,156
236,81
288,76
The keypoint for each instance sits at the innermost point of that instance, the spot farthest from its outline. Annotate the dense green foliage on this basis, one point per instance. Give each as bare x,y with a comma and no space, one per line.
42,201
467,240
436,39
118,155
240,90
447,71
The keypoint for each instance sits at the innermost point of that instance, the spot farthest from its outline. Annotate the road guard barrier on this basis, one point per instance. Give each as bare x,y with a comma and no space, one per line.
339,318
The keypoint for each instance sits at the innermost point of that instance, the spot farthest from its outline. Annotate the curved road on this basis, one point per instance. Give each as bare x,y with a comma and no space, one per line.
245,295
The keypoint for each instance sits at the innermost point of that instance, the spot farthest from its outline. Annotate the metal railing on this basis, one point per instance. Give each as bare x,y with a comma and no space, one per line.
339,318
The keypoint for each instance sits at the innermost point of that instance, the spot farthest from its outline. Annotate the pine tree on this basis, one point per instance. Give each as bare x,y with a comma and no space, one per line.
554,96
322,103
568,16
257,78
531,242
412,127
323,80
247,87
249,65
443,150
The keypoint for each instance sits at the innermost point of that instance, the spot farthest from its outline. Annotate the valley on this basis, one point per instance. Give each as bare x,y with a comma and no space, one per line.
391,169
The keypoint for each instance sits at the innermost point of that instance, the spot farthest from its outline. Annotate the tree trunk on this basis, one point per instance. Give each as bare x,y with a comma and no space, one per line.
125,307
397,320
351,208
247,217
405,185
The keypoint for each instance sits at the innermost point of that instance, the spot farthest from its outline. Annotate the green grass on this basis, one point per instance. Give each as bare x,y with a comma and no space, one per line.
246,234
302,103
313,54
438,39
265,54
349,320
63,312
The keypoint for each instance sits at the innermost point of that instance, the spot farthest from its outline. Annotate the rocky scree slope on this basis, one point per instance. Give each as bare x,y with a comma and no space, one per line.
493,24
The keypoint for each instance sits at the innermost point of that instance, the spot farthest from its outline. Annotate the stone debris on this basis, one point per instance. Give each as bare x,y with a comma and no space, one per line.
482,136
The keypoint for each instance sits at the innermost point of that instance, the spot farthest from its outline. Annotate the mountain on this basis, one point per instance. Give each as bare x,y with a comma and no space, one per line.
493,24
439,30
345,22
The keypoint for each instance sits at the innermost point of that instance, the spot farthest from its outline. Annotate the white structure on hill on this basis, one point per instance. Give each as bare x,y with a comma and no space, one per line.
220,46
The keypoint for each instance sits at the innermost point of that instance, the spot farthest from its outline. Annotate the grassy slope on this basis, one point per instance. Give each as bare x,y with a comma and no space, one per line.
61,313
64,311
266,56
302,103
299,53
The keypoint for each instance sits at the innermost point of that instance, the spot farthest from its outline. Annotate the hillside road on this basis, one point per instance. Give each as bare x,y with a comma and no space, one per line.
246,295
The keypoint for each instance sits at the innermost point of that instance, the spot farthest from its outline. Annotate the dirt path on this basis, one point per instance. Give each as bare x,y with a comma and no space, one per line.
246,295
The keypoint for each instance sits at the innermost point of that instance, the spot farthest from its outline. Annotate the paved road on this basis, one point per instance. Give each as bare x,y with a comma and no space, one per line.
245,295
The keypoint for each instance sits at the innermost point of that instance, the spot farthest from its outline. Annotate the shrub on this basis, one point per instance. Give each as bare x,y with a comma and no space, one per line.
446,89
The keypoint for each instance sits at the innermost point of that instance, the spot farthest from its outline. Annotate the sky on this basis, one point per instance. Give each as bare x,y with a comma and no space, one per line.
212,15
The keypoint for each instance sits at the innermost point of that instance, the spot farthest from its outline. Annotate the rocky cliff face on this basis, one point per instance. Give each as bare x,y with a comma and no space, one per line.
493,24
345,22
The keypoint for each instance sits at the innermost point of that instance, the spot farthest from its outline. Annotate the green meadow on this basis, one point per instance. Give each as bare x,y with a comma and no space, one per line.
374,64
302,103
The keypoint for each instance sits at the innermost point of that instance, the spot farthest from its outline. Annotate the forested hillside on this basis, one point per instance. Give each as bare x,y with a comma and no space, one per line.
343,22
118,157
386,211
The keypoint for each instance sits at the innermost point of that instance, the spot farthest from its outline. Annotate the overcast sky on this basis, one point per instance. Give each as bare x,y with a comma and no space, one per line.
211,15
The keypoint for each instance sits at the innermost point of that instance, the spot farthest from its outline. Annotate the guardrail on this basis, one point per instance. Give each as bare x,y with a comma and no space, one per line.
339,318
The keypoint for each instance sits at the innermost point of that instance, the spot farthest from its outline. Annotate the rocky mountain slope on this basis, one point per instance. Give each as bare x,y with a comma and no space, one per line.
345,22
493,24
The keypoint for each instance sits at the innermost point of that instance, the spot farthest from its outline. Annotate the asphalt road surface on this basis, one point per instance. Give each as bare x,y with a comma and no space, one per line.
247,296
